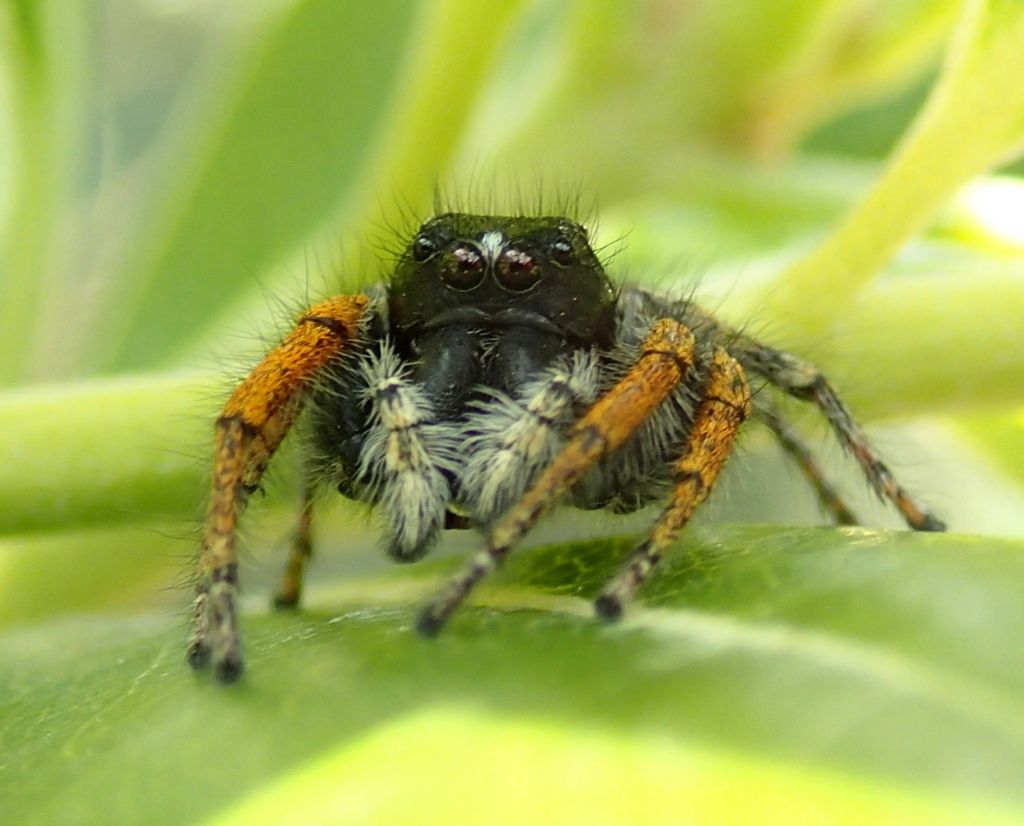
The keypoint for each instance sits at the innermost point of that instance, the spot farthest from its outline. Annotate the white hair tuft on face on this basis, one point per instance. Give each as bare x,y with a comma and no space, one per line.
491,244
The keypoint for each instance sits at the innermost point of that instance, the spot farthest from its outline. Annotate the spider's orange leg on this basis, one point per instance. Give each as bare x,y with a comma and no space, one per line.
724,407
666,356
249,430
301,548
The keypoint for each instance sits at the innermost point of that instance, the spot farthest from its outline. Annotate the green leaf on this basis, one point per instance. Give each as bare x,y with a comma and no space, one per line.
453,47
46,71
316,126
796,674
271,155
934,359
854,51
834,674
973,119
109,569
1001,437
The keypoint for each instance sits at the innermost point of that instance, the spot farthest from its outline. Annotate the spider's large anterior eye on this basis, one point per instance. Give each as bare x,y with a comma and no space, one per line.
562,252
423,247
464,268
517,270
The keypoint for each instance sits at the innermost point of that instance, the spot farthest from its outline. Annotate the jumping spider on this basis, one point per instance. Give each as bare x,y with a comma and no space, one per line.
497,372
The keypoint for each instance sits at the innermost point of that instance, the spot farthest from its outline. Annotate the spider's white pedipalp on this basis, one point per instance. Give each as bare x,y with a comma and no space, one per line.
405,457
510,440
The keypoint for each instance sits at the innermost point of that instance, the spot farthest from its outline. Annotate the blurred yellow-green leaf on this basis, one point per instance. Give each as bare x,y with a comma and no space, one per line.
827,664
174,181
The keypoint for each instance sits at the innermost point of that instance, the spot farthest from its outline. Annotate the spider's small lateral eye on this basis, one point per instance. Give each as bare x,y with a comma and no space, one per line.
517,270
423,246
562,252
464,268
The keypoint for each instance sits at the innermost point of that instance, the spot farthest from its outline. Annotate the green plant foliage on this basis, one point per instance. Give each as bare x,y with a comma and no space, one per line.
173,174
852,668
299,171
976,88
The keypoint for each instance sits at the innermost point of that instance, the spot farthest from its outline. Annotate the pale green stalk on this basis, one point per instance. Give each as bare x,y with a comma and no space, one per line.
929,345
125,450
973,119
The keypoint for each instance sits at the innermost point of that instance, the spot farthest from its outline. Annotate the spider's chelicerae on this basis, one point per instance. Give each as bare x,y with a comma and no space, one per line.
497,372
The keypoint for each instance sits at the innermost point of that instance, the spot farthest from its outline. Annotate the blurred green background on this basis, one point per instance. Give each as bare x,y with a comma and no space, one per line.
841,177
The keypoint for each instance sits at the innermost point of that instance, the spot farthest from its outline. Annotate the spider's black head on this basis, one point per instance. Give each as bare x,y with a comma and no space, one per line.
499,271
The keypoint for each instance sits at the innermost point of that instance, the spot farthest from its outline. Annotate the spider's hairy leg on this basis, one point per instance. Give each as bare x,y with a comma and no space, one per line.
249,430
723,409
794,446
804,381
667,354
301,548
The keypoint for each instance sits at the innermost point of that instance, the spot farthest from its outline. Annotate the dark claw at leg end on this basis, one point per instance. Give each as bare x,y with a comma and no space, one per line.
930,523
286,602
198,655
429,623
608,607
229,669
434,617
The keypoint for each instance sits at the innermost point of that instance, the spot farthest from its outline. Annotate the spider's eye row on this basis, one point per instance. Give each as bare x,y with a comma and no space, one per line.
562,252
423,246
517,270
464,269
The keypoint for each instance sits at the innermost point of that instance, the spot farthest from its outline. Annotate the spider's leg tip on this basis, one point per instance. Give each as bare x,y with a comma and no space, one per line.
230,669
932,523
286,602
429,623
608,608
198,655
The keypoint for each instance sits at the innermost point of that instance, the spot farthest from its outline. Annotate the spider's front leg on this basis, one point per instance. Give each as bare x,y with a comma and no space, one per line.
667,354
250,428
723,409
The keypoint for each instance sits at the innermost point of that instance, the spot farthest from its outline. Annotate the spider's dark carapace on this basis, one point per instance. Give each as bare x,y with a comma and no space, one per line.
496,372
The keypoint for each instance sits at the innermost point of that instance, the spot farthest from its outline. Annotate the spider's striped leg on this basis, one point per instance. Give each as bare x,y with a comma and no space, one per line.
301,548
667,354
804,381
724,407
793,445
249,430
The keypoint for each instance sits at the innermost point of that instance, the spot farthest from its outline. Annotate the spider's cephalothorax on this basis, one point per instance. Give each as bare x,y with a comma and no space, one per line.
496,372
